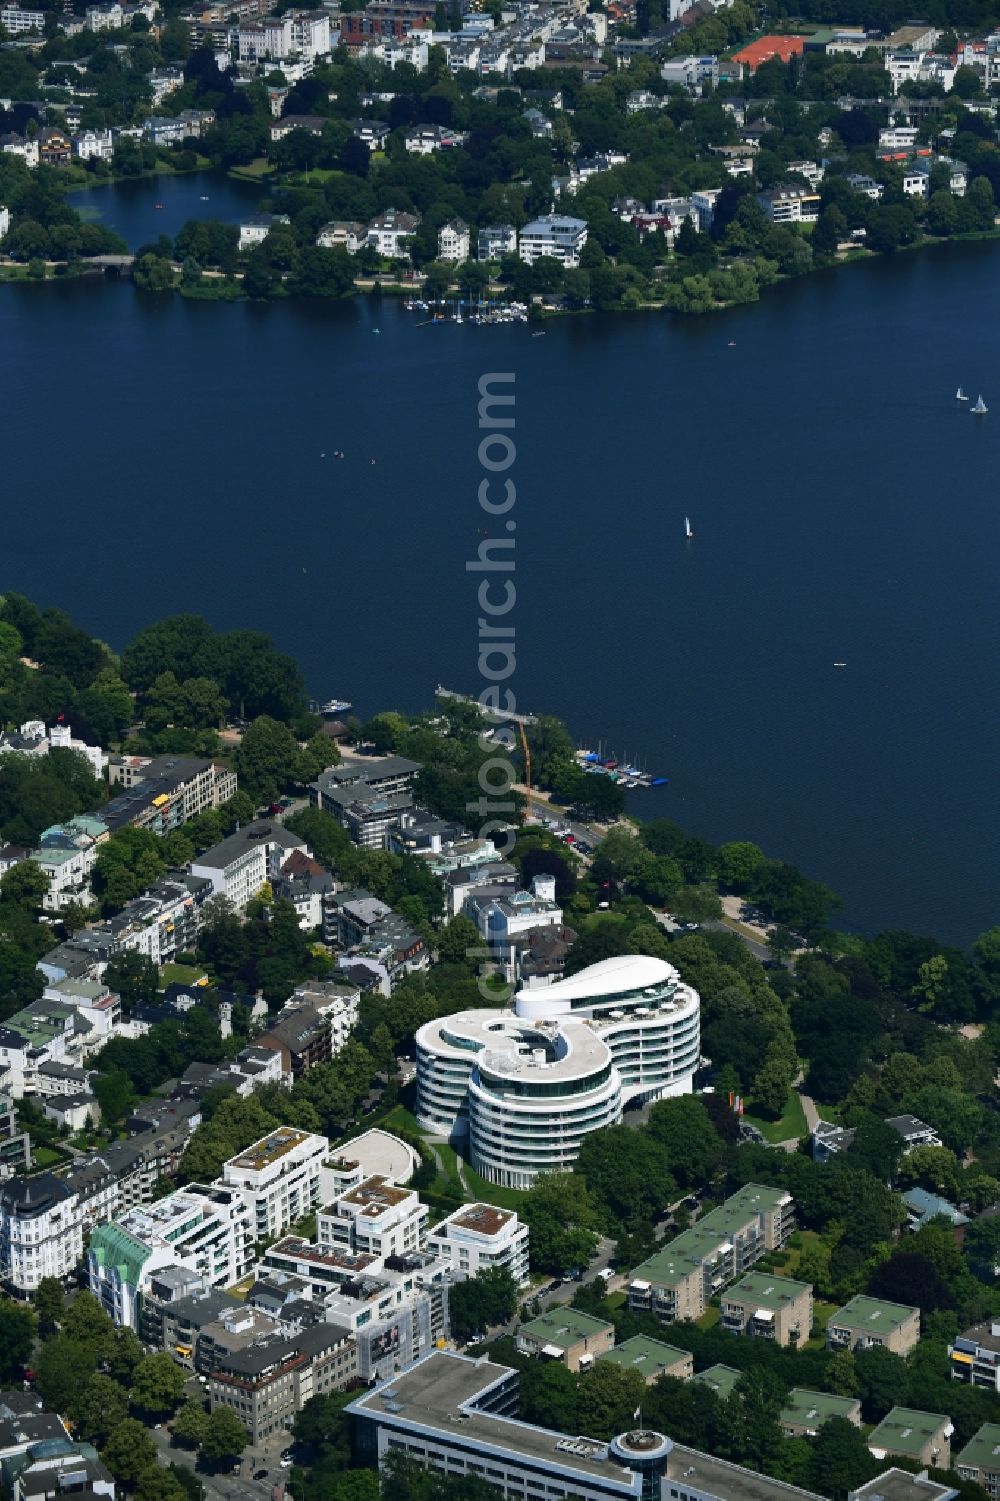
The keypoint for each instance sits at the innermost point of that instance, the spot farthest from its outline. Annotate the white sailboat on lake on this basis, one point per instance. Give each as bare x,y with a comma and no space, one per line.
980,409
688,532
960,395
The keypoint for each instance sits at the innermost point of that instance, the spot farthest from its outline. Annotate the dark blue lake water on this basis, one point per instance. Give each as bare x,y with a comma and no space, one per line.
844,510
147,207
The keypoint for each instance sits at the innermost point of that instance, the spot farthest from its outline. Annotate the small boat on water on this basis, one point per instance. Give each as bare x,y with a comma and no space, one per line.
980,409
840,664
960,395
157,205
688,529
335,706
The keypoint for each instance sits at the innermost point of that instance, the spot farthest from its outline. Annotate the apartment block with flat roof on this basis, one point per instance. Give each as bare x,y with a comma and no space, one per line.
377,1218
975,1356
651,1358
566,1334
864,1322
678,1281
774,1308
980,1459
278,1178
911,1434
204,1228
805,1412
721,1378
480,1236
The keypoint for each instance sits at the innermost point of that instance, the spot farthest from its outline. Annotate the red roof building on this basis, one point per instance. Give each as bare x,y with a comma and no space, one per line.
767,47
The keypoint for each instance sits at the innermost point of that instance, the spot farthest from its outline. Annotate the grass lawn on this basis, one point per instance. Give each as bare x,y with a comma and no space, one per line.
617,1300
253,171
711,1316
791,1123
180,974
396,1119
46,1157
822,1313
491,1193
318,175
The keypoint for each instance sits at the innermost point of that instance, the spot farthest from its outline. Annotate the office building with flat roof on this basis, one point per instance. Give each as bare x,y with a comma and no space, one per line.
455,1415
527,1088
574,1338
774,1308
864,1322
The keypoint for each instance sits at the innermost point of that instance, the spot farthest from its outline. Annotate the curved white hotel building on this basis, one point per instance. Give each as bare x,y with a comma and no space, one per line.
527,1086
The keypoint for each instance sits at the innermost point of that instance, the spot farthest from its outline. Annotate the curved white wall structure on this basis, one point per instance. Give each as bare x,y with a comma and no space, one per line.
527,1086
641,1008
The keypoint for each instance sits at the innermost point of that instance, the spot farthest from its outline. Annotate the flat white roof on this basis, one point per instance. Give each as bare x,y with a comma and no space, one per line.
609,977
378,1154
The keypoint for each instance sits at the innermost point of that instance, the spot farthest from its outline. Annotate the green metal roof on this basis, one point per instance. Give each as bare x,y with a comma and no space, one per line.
565,1327
905,1430
111,1246
806,1409
650,1357
701,1243
982,1452
766,1290
870,1314
721,1378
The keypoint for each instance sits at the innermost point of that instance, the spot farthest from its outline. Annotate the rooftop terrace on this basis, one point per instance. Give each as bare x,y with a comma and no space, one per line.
269,1149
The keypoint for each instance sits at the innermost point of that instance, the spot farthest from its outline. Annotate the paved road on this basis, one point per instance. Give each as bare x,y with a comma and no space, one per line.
540,807
237,1485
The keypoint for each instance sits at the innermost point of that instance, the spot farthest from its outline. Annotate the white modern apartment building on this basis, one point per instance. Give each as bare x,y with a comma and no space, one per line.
206,1228
453,241
527,1088
241,864
16,21
496,240
41,1231
524,1093
641,1008
310,33
555,235
67,854
377,1218
479,1237
278,1178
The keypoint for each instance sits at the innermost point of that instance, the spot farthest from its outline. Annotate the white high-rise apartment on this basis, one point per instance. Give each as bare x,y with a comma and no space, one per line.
278,1178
